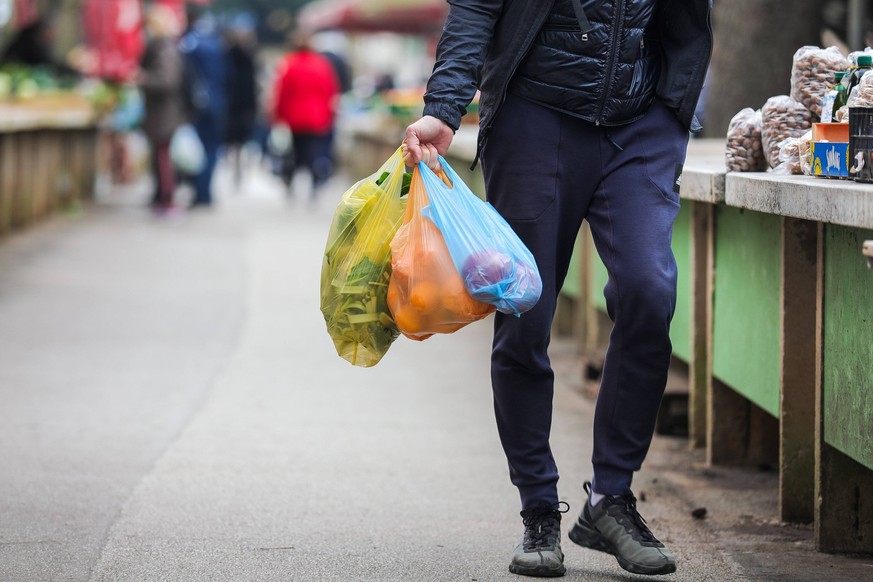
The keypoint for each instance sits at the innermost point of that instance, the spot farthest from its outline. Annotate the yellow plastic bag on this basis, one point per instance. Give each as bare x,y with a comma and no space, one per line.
357,265
426,294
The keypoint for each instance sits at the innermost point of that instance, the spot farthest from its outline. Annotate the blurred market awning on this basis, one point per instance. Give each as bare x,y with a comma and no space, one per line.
402,16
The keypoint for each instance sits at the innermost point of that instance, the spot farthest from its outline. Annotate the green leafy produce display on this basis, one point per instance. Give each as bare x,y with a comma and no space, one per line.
26,82
357,265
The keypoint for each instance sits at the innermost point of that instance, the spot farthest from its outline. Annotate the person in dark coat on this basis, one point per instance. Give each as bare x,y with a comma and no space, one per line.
242,98
32,46
160,80
205,94
586,108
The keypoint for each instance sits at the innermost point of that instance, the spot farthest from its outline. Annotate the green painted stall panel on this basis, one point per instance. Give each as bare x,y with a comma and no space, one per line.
680,330
746,304
847,375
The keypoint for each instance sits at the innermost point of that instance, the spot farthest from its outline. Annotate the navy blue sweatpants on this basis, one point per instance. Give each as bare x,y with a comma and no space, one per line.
546,172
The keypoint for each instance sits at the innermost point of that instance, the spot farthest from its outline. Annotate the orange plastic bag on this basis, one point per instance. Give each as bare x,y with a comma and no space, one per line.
426,294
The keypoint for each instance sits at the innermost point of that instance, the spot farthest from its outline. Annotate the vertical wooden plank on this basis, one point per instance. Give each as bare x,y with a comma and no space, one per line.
727,413
797,370
89,145
75,144
727,426
843,486
700,365
746,305
23,202
847,381
7,180
40,167
739,431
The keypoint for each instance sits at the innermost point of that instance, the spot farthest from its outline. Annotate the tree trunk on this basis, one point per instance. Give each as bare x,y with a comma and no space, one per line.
755,41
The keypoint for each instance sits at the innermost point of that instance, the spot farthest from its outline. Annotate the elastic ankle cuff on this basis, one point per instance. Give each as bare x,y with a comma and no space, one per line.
611,481
534,496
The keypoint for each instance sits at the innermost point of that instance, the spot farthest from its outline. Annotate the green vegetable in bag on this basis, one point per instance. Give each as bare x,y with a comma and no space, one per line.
357,265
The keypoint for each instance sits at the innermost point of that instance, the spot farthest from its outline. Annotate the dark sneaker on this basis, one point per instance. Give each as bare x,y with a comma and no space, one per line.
614,526
539,551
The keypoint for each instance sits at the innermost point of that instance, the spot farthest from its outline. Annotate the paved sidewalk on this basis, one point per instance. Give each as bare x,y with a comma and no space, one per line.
173,410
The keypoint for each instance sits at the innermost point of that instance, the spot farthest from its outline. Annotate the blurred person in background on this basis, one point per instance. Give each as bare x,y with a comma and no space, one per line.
160,80
305,95
33,46
204,92
242,100
334,46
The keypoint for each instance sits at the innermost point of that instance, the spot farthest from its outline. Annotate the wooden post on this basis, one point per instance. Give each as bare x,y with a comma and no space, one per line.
700,368
799,345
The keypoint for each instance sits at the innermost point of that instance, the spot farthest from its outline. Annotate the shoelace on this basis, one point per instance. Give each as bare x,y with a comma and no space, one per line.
630,504
542,522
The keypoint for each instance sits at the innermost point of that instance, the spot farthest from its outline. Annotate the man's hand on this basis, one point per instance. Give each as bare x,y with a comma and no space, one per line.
425,139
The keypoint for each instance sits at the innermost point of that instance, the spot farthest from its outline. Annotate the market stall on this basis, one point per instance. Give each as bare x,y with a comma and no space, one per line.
49,114
48,153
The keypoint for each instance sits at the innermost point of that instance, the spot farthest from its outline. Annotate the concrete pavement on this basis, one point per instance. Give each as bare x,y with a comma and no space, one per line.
173,410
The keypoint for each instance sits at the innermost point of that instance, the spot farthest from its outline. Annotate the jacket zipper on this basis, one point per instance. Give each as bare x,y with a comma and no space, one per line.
614,38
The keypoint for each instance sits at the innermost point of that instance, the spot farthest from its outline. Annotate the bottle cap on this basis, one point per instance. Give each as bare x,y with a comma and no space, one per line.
865,60
838,76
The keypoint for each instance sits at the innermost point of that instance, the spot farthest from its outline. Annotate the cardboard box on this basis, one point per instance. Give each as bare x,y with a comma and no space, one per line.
830,158
838,132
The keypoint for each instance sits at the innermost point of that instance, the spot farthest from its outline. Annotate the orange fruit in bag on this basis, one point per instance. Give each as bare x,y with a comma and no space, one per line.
425,296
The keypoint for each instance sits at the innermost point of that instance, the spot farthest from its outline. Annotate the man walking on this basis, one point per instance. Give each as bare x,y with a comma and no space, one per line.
585,111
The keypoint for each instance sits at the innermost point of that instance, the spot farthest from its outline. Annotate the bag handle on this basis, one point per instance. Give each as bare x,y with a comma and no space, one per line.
432,177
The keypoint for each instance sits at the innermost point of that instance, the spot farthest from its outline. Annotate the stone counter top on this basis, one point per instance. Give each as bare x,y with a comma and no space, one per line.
807,197
45,114
819,199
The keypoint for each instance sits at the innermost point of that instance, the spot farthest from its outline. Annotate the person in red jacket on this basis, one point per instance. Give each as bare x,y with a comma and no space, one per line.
305,94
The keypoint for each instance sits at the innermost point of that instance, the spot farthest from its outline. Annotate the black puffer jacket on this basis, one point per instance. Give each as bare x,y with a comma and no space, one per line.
485,41
572,72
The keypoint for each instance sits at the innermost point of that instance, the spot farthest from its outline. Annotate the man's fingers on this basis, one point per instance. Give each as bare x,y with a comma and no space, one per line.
433,160
412,150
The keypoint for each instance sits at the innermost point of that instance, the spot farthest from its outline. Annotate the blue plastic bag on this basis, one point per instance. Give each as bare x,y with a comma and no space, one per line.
495,266
128,115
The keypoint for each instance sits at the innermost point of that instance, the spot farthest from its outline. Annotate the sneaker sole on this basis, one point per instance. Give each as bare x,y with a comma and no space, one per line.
586,536
537,571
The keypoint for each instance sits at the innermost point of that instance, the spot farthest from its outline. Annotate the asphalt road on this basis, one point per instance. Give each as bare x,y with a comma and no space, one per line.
173,410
